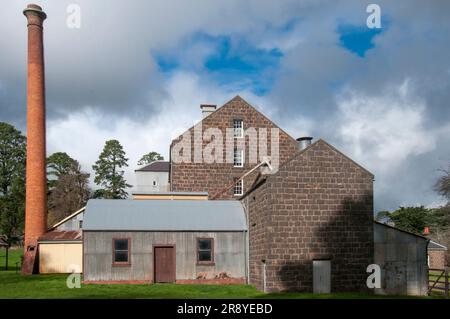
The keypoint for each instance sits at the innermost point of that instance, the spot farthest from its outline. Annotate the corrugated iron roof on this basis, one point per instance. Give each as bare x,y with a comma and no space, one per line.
435,245
157,166
68,235
164,215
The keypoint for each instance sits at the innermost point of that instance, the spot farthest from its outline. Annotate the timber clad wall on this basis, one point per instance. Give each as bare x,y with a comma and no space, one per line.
213,178
229,255
317,206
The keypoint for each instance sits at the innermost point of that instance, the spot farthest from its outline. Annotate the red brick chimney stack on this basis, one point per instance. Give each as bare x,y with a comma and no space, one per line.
36,188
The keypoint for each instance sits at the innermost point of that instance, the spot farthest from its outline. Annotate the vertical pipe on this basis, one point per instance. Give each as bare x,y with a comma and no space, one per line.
36,180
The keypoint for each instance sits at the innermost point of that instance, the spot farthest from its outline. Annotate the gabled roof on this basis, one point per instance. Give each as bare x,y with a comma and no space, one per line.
262,178
67,218
436,246
67,235
164,215
237,98
156,166
400,230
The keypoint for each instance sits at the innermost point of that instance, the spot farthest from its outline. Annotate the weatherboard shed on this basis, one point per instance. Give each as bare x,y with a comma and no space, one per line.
164,241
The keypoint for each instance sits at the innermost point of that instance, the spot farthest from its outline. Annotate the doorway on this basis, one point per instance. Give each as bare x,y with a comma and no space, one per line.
321,276
164,264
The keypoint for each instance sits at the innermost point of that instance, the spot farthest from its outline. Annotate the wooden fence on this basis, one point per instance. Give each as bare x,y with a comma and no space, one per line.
438,281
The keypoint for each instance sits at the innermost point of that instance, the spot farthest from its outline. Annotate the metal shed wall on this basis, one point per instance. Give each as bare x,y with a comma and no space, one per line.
402,258
229,255
60,257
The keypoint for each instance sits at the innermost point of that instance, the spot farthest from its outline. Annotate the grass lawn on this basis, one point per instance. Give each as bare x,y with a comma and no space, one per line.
15,285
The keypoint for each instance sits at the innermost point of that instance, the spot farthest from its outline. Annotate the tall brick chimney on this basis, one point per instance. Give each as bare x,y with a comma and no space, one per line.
36,188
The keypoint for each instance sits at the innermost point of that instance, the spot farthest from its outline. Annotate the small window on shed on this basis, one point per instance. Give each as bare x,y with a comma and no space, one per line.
121,251
205,250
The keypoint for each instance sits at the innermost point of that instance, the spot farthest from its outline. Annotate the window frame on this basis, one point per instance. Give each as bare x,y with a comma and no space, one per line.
121,263
242,157
241,128
208,262
242,187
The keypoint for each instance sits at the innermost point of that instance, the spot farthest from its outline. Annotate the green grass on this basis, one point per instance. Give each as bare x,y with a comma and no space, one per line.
14,285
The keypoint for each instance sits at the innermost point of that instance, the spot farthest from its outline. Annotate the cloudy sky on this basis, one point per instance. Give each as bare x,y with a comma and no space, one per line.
137,71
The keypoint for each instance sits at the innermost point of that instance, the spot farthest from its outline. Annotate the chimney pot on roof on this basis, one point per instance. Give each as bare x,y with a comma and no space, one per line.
207,109
304,142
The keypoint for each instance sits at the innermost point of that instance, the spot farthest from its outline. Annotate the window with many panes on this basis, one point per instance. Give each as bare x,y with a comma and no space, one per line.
238,128
205,250
121,251
238,158
239,188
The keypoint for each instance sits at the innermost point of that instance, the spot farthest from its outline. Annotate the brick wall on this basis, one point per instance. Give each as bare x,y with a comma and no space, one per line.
318,206
437,258
214,177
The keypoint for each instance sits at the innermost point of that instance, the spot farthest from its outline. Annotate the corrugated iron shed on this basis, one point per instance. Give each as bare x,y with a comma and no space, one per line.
164,215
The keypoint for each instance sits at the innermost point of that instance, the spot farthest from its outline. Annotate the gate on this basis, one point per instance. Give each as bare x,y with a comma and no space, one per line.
438,281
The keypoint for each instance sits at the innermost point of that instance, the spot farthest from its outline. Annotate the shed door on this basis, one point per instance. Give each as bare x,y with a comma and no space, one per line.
164,262
321,276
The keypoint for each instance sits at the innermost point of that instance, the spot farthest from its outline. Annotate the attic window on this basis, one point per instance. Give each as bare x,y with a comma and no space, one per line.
238,127
238,159
239,188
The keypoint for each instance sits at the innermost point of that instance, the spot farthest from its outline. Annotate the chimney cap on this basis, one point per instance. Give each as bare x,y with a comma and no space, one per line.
304,138
36,10
212,106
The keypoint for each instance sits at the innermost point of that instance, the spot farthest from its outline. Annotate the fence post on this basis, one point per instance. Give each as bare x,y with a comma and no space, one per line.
446,282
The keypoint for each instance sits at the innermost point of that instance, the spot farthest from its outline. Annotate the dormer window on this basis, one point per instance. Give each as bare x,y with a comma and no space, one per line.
238,127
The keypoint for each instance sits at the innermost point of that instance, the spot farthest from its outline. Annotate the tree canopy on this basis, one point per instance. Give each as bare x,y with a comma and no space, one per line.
70,193
150,157
12,184
58,164
109,172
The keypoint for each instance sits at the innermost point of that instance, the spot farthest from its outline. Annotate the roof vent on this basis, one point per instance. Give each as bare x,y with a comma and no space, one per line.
304,142
207,109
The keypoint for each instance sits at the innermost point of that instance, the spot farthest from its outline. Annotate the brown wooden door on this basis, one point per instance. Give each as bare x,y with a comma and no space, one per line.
164,262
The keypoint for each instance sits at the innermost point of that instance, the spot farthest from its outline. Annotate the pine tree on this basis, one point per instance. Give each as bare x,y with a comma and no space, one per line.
109,173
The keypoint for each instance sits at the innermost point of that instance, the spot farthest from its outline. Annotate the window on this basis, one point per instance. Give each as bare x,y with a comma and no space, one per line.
238,128
239,188
121,251
238,158
154,183
80,224
205,250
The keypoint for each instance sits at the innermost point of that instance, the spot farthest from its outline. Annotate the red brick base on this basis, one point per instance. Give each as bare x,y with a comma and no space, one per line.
224,281
113,282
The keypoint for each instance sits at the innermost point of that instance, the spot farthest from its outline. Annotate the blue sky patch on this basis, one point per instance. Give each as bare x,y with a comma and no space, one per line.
232,62
357,39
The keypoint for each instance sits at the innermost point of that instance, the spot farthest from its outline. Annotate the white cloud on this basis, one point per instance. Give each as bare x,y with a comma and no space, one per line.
82,134
384,130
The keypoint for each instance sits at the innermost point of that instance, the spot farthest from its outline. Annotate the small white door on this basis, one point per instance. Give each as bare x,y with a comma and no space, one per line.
321,276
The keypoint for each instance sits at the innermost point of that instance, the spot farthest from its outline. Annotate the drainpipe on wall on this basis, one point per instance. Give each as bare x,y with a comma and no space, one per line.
264,275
